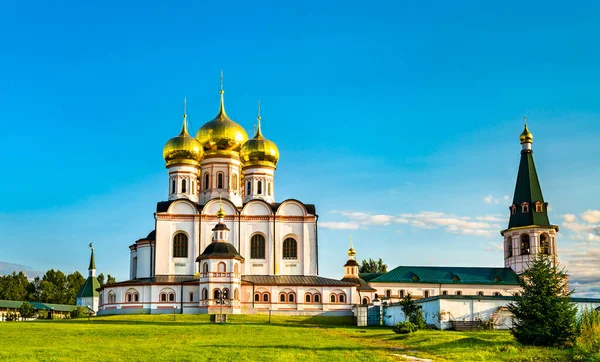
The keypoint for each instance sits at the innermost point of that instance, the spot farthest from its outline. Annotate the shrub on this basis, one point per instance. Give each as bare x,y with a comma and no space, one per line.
413,312
26,310
417,319
79,312
405,328
588,329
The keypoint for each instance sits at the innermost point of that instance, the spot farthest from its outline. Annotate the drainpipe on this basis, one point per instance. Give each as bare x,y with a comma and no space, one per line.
317,241
153,250
181,299
274,246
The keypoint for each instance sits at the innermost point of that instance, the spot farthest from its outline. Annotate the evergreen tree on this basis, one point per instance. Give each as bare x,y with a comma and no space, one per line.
100,278
412,312
26,310
373,266
110,279
14,286
543,312
74,283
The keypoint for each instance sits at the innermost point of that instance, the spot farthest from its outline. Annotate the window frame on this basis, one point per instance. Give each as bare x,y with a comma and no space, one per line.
180,245
257,246
290,251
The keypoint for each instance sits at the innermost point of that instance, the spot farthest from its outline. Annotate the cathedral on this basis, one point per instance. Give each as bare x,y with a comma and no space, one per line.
222,241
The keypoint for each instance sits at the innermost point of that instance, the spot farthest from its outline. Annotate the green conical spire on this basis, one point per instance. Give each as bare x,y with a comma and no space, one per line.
92,261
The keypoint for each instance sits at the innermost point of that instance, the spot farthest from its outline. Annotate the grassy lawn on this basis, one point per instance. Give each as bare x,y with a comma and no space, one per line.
249,338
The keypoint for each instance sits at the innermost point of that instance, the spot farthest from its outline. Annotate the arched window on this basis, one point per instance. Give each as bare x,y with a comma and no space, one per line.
236,294
342,298
509,249
171,297
317,298
163,297
445,292
259,187
458,292
388,293
128,297
219,180
193,187
248,188
307,298
266,297
216,294
497,294
234,182
180,245
257,247
290,249
191,297
225,293
136,297
291,297
426,294
524,244
236,269
513,209
544,244
204,294
332,298
282,297
206,181
256,297
134,267
222,267
173,187
183,186
480,293
401,293
269,188
205,268
365,300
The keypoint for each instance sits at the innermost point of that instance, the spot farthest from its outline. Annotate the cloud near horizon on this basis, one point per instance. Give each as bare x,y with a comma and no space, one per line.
485,225
587,229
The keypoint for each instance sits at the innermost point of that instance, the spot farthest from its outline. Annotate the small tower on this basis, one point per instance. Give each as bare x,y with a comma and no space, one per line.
529,230
259,157
220,272
88,295
183,155
351,266
364,290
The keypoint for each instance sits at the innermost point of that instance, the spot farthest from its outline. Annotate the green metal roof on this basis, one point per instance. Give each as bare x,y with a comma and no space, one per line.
449,275
92,262
13,304
89,288
528,190
367,277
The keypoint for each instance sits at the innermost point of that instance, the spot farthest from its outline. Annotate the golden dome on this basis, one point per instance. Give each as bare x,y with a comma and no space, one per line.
351,252
221,135
183,149
221,212
259,151
526,136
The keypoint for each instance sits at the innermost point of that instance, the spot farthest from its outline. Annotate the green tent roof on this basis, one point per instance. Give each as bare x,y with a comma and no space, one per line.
528,190
449,275
369,276
89,288
13,304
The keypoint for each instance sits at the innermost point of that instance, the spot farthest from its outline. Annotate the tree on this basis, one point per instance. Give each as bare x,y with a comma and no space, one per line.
54,288
74,283
543,314
373,266
26,310
412,311
110,279
14,286
100,278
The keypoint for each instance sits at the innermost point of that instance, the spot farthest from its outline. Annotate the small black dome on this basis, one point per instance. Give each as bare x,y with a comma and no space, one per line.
152,235
220,250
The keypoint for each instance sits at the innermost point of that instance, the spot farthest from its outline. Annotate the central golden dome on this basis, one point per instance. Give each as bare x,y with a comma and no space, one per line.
259,151
221,135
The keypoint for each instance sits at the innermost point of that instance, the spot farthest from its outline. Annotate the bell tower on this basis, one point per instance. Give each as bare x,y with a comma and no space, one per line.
529,230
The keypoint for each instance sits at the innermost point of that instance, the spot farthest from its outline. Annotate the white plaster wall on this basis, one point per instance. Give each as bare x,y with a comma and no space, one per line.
417,289
144,253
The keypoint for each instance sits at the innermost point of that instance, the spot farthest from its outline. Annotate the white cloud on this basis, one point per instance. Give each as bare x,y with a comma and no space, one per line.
584,276
495,247
491,218
570,218
506,198
490,200
339,225
591,216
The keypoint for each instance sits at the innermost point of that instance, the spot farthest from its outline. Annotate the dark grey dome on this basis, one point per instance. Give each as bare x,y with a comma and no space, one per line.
220,250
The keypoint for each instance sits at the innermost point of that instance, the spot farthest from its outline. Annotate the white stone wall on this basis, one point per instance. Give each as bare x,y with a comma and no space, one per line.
512,241
417,290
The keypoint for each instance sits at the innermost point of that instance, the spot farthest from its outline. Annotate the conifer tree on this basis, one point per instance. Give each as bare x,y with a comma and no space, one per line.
543,314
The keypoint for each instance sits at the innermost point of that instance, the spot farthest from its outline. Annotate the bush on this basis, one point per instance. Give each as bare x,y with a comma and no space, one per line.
588,329
417,319
413,312
27,310
79,312
405,328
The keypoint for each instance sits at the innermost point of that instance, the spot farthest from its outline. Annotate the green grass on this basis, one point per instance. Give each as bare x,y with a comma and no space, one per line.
249,338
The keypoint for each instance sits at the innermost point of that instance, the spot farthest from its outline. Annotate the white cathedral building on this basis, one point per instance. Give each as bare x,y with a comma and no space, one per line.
223,241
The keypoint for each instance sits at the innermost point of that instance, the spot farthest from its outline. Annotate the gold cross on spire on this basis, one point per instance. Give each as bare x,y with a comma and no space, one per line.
221,86
525,120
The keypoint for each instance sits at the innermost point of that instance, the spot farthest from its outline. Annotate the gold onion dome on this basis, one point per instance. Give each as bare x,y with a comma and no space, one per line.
259,151
183,149
221,135
351,251
526,136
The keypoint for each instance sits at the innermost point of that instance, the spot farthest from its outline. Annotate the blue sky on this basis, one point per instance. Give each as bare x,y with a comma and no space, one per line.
399,121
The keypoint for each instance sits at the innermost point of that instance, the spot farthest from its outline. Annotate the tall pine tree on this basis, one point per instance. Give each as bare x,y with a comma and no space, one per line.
543,312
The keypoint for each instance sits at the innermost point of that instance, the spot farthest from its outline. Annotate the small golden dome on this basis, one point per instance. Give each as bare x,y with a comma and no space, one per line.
351,252
221,135
183,149
259,151
526,136
221,213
